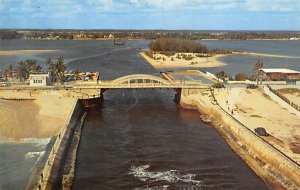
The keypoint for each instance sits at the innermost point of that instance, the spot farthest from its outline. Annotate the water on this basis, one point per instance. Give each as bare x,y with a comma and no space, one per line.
244,63
79,51
17,160
141,139
138,139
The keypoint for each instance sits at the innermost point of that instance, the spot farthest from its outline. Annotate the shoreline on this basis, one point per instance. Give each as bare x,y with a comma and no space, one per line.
214,62
265,55
15,52
265,160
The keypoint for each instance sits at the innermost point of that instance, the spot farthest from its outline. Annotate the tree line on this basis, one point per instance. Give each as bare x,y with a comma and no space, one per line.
177,45
149,34
23,69
242,76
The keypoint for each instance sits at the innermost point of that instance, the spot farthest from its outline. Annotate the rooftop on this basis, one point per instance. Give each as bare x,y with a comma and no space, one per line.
280,70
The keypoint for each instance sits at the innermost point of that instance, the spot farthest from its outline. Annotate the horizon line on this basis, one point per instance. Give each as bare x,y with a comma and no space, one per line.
124,29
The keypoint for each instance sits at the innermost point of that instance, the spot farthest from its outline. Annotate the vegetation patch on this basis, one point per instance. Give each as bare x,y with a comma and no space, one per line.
177,45
255,116
289,91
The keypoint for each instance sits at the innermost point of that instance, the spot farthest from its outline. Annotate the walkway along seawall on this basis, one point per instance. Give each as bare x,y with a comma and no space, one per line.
51,174
273,166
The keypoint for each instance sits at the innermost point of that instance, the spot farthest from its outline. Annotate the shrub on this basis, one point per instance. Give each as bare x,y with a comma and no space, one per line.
149,54
168,53
240,77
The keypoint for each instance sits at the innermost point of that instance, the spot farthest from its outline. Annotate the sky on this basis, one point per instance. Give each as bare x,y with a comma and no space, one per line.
151,14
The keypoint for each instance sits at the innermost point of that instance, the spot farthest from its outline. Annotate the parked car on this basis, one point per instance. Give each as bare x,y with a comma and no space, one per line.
252,86
261,131
218,85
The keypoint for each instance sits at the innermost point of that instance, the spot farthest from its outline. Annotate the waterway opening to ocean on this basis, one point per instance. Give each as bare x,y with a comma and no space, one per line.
140,139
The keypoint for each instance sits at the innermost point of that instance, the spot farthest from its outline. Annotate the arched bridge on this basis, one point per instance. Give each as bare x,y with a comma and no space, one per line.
140,81
139,78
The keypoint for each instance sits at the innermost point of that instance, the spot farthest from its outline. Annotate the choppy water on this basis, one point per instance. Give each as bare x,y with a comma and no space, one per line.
17,160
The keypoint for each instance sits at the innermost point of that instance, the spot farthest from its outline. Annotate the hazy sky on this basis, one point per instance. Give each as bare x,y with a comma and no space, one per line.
151,14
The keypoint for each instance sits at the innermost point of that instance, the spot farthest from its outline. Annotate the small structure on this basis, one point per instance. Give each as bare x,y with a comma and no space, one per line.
111,36
89,76
277,74
39,79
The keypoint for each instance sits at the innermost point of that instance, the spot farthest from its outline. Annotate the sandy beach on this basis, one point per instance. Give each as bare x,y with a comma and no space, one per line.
292,94
196,62
41,117
200,62
14,52
282,125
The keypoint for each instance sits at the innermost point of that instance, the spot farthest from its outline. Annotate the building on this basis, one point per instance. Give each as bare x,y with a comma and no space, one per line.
39,79
276,74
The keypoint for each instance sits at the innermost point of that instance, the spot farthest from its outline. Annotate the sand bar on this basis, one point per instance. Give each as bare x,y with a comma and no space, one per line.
15,52
196,62
266,55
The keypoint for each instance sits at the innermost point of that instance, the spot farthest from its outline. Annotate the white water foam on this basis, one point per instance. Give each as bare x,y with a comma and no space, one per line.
37,142
164,187
171,176
34,154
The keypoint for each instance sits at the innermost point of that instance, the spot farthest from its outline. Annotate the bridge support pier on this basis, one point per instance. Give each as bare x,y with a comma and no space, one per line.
178,95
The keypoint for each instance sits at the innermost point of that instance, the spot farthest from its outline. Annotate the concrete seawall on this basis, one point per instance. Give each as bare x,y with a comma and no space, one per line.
264,159
51,175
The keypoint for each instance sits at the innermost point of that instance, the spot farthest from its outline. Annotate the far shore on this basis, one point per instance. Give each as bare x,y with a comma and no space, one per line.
265,55
14,52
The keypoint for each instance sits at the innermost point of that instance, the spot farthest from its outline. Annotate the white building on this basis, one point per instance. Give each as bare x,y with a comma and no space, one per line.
39,79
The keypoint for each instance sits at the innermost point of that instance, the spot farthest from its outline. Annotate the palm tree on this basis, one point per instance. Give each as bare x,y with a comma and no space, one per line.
32,66
6,74
11,71
76,72
21,71
57,69
258,65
